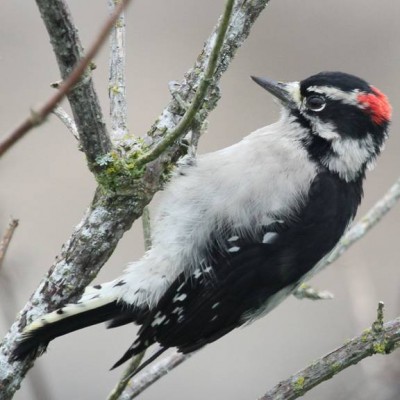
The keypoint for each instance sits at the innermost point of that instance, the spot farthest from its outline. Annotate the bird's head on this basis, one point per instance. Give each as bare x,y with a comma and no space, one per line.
345,119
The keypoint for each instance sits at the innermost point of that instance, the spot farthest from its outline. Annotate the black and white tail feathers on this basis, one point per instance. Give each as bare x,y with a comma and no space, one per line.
70,318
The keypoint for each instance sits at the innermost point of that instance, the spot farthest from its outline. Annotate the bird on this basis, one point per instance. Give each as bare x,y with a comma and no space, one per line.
239,229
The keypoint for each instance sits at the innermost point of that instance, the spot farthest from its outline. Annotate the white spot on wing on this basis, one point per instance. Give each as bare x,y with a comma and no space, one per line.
180,287
197,273
159,320
208,269
179,297
233,238
270,237
234,249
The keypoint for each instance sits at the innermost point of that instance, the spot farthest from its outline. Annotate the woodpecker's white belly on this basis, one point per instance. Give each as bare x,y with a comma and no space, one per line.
222,187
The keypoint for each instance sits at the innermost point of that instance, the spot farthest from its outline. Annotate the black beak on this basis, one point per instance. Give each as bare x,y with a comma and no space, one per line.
278,89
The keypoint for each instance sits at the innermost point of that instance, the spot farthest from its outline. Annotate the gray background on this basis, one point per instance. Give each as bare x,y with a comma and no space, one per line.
45,183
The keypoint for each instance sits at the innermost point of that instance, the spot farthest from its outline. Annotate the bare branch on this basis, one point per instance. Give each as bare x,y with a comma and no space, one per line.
156,371
379,339
66,120
6,239
188,118
305,291
117,81
93,145
146,224
243,17
124,381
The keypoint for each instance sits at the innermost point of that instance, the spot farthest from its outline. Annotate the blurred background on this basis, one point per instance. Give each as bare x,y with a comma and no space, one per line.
46,185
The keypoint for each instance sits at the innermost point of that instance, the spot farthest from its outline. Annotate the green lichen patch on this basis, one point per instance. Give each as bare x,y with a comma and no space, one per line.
366,335
380,347
335,368
119,173
298,384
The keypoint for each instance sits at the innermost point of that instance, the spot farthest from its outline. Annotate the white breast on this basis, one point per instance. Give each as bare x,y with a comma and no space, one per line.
264,177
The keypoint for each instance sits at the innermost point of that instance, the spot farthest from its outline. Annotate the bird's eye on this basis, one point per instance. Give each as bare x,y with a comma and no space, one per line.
315,103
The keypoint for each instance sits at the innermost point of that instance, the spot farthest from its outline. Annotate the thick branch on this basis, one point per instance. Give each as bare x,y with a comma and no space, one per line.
380,339
83,98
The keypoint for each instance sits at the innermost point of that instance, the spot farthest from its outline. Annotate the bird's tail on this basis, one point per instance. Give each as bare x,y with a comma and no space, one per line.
72,317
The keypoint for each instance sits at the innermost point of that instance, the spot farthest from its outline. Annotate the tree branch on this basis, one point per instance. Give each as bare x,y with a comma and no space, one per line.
6,239
66,120
155,371
83,98
379,339
243,17
305,291
117,81
188,118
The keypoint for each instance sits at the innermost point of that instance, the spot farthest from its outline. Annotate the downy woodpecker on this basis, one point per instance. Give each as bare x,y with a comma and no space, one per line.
240,228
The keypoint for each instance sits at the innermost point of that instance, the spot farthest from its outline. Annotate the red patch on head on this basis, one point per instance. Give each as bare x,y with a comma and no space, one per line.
377,105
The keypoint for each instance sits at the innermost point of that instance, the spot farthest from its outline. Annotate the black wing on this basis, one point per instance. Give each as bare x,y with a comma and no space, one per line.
241,280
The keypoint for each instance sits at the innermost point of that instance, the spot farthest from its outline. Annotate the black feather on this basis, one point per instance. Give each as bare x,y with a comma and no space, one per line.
201,308
35,341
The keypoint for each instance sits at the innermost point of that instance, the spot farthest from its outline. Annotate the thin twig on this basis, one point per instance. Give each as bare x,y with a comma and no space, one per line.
371,218
37,117
117,80
66,120
190,114
156,371
305,291
379,339
124,381
135,362
6,239
146,224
